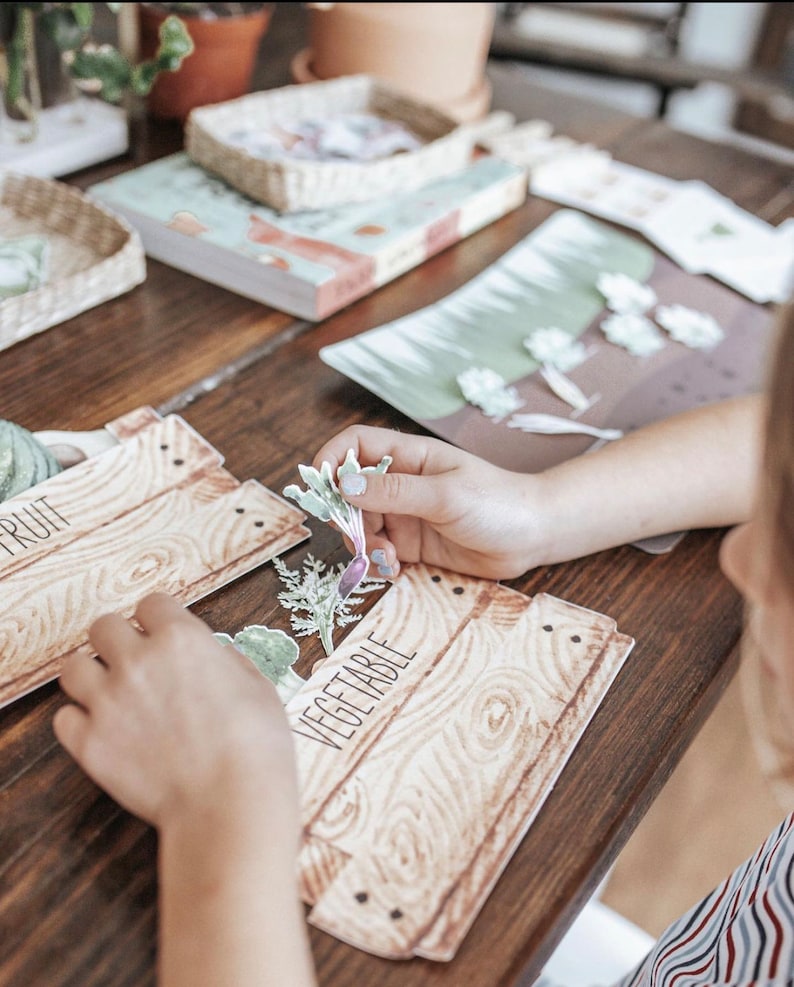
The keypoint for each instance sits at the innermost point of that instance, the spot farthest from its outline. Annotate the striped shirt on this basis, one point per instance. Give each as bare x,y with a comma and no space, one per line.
741,935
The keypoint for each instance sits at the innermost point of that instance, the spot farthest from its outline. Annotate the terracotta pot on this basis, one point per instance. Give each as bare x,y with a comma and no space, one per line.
436,52
220,67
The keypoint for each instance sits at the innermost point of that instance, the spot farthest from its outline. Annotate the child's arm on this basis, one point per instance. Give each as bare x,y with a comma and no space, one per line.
186,734
440,505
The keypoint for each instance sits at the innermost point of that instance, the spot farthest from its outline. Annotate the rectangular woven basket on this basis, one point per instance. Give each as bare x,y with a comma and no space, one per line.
93,254
292,185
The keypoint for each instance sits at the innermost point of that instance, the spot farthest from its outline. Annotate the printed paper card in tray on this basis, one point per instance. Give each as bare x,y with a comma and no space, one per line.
213,140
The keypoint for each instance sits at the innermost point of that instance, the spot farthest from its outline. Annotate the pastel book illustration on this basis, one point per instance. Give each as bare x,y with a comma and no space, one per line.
427,744
154,511
309,263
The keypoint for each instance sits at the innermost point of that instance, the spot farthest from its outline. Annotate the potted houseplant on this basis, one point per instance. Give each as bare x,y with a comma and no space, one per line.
226,39
435,52
100,69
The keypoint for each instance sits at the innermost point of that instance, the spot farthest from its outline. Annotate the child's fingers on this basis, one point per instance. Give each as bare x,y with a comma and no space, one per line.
383,556
112,634
158,609
396,493
82,677
70,725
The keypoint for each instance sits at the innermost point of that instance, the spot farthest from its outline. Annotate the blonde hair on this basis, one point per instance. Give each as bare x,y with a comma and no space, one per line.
777,491
767,713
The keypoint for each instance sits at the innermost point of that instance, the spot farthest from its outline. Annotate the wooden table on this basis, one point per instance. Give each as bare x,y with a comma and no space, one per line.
78,886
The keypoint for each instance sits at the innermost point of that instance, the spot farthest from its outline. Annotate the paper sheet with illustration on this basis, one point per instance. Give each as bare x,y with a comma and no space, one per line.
549,279
156,512
428,742
698,228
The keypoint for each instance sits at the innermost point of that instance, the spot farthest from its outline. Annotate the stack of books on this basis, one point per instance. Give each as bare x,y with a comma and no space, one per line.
308,264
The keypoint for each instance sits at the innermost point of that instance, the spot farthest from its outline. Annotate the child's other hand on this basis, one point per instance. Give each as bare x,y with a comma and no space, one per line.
170,720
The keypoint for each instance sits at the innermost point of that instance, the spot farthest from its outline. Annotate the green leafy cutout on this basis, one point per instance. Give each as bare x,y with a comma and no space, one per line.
272,652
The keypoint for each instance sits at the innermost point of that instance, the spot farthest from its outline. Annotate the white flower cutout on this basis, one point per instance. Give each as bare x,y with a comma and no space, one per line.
698,330
556,348
625,295
488,391
634,333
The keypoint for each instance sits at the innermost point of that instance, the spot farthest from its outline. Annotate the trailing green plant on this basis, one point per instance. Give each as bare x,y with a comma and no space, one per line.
100,69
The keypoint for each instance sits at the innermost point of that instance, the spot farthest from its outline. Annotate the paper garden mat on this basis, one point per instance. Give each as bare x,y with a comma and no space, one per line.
549,279
427,743
155,512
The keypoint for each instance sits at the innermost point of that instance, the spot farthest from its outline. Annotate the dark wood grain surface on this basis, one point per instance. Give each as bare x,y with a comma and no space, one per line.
77,873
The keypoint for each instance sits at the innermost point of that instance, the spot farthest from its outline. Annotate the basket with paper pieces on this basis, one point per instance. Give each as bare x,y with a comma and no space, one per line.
326,144
60,254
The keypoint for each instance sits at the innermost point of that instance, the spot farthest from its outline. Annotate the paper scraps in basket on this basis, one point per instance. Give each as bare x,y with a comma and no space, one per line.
156,511
427,744
24,264
339,137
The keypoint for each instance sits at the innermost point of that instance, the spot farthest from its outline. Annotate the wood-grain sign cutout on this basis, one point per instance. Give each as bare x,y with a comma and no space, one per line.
427,743
155,512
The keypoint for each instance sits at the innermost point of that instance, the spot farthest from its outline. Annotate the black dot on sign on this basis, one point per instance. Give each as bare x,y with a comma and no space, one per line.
436,579
395,913
458,590
164,446
547,627
178,462
259,524
239,510
575,638
362,897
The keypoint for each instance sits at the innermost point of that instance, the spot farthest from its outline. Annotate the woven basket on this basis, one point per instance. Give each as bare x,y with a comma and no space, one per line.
291,185
93,254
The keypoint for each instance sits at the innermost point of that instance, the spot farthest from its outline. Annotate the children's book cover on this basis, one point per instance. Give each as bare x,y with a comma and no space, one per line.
310,263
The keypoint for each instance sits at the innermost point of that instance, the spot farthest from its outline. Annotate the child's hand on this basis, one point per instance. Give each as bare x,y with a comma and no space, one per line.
170,720
443,506
438,504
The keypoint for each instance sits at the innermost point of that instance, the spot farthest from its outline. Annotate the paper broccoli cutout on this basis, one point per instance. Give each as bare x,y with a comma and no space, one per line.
273,652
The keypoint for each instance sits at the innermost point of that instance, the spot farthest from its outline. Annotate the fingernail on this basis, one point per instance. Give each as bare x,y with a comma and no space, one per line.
378,556
385,570
353,484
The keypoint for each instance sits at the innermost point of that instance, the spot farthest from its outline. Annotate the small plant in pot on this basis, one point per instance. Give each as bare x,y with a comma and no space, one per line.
100,69
226,39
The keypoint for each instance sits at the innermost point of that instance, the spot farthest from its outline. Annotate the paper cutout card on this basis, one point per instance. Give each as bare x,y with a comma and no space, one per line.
428,742
691,222
549,279
155,512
